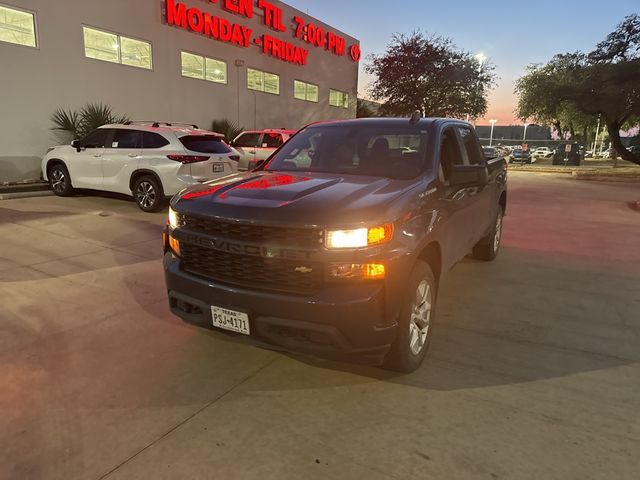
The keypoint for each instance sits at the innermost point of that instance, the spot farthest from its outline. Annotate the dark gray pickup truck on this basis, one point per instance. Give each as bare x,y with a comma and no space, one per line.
337,244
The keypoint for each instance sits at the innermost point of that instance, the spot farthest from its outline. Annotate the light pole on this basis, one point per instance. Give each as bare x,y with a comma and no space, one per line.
595,141
524,137
493,124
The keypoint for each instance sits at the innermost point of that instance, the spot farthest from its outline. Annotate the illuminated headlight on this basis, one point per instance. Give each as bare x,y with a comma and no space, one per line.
347,238
173,218
360,237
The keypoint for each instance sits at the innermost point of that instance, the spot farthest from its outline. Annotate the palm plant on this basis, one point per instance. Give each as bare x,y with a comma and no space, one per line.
67,124
77,124
227,128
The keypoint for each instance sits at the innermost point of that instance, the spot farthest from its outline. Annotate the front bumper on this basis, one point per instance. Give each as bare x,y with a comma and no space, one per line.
343,322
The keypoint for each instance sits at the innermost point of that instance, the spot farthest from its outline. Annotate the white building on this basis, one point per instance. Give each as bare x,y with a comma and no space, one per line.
261,64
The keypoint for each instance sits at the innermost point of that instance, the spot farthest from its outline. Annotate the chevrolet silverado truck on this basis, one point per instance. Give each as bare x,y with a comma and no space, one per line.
337,244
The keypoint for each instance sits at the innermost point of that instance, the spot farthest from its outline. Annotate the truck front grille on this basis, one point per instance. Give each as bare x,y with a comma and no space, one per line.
271,274
311,238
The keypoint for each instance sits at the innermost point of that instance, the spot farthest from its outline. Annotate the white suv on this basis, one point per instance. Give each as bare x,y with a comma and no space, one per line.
147,160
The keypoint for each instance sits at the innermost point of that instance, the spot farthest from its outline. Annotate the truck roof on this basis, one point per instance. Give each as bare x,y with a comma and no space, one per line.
428,122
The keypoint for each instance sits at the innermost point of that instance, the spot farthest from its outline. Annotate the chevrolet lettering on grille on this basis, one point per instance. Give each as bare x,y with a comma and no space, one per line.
242,248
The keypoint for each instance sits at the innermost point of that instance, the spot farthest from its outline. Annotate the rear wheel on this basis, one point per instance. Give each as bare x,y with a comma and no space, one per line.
487,249
60,180
148,194
415,323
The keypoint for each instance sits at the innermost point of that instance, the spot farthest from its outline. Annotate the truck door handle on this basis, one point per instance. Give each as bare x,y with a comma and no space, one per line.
133,155
252,152
97,155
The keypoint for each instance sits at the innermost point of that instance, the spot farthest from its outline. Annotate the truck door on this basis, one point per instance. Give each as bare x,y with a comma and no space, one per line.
455,202
482,205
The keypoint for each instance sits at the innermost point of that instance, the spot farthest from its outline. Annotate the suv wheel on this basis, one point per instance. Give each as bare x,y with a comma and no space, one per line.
60,180
148,194
487,249
415,324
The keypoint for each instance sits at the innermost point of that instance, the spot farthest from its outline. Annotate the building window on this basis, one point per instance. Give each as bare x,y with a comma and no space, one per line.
338,99
203,68
305,91
263,81
113,48
17,27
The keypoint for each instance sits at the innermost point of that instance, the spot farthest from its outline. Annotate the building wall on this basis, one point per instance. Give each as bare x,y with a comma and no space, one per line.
34,82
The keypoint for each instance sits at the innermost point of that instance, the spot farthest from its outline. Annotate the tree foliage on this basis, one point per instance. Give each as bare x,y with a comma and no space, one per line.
432,75
577,86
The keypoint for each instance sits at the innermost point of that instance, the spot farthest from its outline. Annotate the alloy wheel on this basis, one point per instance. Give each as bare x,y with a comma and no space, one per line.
420,317
58,181
146,194
498,235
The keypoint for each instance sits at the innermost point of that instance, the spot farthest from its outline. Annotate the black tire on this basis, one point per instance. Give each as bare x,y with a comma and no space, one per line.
148,194
487,249
60,180
402,357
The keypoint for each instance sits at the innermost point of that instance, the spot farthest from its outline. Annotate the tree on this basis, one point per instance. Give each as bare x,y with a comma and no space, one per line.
364,110
431,75
602,83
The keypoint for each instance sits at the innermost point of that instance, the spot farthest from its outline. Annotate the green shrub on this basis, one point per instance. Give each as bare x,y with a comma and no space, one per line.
227,128
77,124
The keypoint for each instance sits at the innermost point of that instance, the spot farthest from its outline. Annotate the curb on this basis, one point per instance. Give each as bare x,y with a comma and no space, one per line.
41,193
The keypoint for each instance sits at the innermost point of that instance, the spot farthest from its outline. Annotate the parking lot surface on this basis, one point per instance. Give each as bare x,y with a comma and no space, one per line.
533,372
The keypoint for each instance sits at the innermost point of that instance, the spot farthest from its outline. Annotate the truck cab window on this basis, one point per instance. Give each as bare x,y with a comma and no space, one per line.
449,154
471,146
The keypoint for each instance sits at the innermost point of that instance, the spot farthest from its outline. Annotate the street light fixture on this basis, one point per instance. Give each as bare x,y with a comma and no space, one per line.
493,124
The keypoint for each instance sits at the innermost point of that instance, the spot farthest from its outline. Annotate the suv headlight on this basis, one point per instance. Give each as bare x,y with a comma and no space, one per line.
359,237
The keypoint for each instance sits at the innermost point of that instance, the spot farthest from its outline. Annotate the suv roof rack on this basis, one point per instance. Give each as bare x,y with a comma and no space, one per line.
156,124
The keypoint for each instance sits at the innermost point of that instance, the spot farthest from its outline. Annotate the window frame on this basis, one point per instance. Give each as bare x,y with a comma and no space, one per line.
306,91
263,72
36,32
346,98
204,67
119,35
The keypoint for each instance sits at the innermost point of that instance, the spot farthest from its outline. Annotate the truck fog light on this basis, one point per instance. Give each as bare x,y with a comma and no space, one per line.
347,271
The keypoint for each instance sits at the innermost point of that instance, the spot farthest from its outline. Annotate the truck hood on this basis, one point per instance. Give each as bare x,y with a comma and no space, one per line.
300,199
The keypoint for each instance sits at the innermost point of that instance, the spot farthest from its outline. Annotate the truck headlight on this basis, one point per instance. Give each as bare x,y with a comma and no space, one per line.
173,218
359,237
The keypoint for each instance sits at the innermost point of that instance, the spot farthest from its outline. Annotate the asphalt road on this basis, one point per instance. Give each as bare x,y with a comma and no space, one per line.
534,369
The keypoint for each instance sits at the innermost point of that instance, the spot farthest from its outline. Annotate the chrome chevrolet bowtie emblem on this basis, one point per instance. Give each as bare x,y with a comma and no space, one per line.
304,270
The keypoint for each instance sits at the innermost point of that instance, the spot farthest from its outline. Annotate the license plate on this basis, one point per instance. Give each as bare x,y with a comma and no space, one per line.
230,320
218,168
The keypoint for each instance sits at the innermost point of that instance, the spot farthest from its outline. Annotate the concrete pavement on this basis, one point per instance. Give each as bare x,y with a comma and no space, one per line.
534,369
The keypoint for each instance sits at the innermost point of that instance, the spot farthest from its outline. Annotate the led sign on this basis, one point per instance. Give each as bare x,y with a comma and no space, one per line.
195,20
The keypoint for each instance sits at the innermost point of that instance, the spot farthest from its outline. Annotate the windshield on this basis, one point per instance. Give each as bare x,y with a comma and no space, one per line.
371,150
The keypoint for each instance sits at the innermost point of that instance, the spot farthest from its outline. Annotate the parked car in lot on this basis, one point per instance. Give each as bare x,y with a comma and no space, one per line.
147,160
542,152
490,153
571,156
518,155
255,146
337,245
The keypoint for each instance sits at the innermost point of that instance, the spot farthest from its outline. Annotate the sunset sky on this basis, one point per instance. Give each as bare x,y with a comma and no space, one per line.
512,34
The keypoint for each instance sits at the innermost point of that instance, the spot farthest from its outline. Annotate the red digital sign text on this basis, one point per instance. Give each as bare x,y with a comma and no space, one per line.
285,51
197,21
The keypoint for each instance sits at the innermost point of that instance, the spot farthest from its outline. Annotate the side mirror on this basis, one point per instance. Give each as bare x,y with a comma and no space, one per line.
468,176
76,144
258,165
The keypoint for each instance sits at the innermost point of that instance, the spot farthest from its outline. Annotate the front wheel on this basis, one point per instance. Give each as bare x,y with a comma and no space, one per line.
60,180
487,249
415,323
148,194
